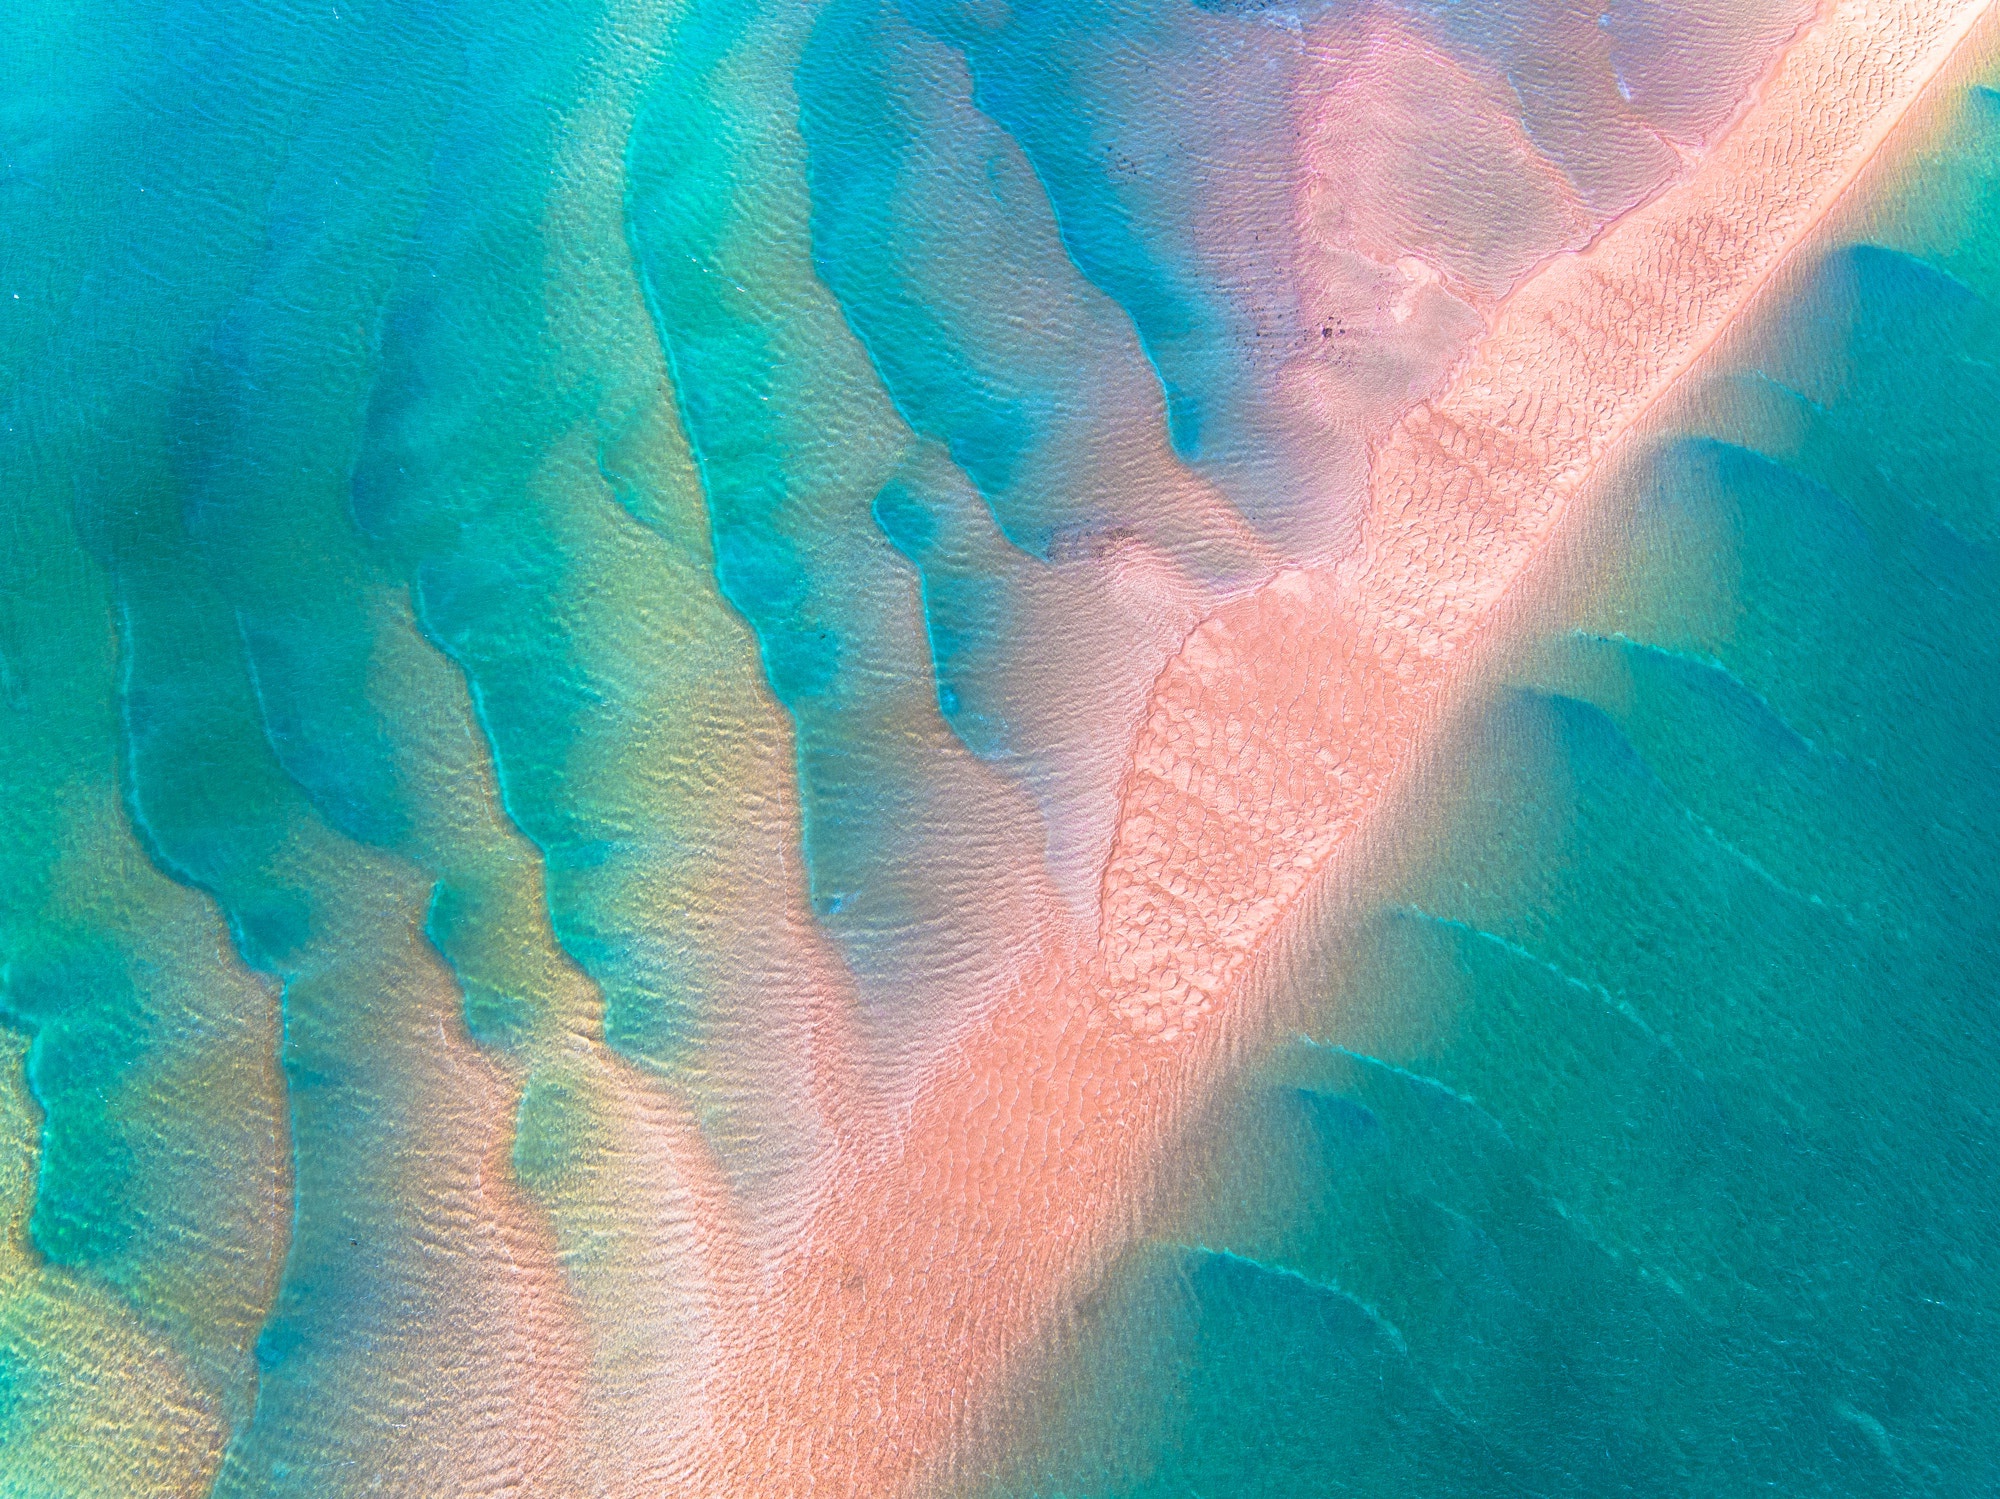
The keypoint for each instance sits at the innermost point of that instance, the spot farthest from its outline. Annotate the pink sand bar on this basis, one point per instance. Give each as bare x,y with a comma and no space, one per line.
1283,728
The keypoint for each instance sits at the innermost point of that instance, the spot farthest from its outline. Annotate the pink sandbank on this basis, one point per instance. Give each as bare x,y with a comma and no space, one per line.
852,1357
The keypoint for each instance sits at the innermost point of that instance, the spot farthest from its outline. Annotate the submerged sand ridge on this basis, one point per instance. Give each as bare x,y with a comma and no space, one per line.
1284,727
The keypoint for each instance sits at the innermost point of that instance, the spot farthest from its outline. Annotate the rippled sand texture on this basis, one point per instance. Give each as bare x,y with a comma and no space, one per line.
679,678
1620,1123
1276,732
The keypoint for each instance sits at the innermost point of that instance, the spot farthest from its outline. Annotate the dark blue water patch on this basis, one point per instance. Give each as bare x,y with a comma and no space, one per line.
274,408
497,1012
968,607
935,234
206,797
867,144
1156,133
1341,1119
1254,1365
1795,536
1064,82
92,1039
1585,829
498,614
1812,818
762,574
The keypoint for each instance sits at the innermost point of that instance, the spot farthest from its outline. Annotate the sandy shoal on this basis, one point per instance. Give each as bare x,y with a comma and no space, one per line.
1285,725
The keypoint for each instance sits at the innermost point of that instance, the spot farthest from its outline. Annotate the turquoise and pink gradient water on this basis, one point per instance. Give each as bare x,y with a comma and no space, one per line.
541,541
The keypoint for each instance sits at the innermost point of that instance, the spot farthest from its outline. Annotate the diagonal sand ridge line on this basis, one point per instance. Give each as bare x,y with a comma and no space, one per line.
1285,727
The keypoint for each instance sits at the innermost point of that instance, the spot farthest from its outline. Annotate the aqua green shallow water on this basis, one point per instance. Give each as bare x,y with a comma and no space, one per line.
1649,1141
458,458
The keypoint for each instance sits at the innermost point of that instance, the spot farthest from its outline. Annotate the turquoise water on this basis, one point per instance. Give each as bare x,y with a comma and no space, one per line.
1646,1142
494,491
282,371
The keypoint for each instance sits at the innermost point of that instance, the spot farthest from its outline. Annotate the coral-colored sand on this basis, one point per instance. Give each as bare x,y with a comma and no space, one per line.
1287,722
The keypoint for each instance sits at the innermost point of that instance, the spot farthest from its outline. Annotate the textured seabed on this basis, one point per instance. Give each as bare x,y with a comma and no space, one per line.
1014,750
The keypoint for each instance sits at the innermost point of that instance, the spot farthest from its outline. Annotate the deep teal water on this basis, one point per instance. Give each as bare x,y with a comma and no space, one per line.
1647,1141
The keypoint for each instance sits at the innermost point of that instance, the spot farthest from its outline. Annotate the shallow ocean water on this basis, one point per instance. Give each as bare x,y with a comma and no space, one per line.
1645,1140
502,502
